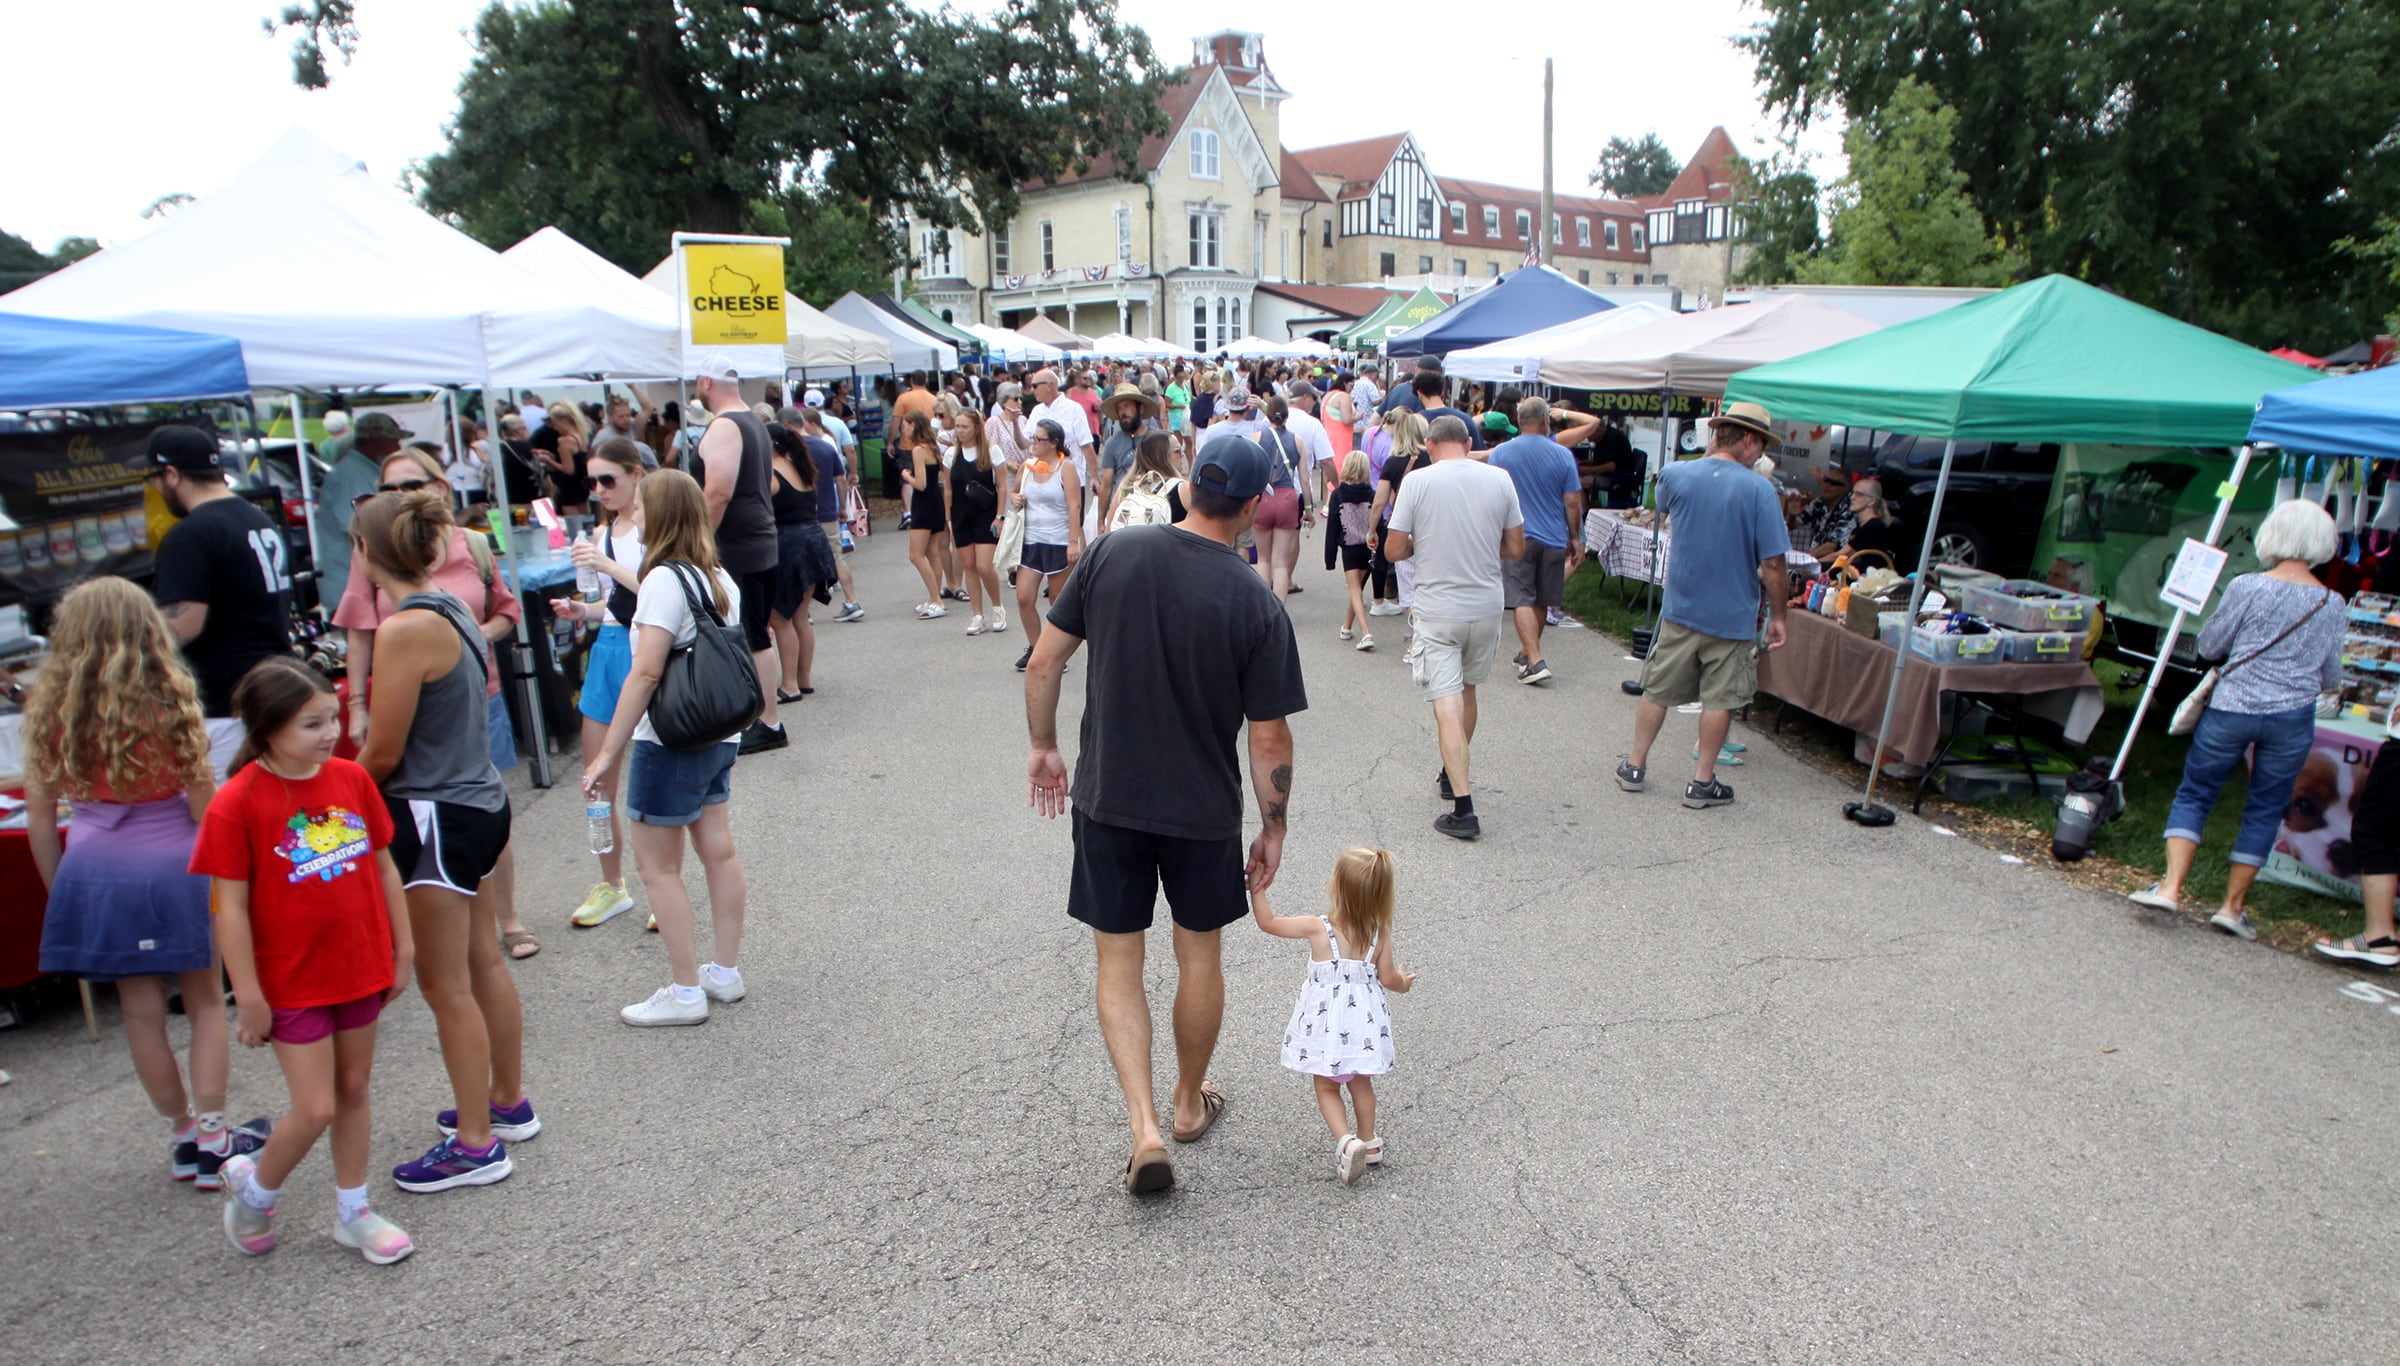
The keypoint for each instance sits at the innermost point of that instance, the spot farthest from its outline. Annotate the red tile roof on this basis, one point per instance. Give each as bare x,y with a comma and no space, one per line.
1297,182
1347,301
1357,164
1708,175
1175,100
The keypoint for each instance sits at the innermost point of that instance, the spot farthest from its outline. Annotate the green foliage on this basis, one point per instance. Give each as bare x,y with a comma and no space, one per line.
838,245
1780,228
621,121
324,25
1630,168
2199,156
22,263
1902,216
72,249
2382,250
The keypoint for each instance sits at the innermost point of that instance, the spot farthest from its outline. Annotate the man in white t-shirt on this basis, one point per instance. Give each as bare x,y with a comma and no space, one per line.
1316,448
1458,519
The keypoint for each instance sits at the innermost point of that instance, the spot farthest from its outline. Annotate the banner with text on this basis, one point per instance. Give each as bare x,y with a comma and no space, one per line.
733,294
70,508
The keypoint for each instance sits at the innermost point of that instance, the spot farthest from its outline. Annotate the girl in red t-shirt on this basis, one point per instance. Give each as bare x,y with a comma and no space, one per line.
315,934
113,725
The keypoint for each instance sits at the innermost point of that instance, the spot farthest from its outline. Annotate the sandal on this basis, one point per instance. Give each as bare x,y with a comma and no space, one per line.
515,940
1212,1104
1349,1159
787,699
1148,1172
2380,952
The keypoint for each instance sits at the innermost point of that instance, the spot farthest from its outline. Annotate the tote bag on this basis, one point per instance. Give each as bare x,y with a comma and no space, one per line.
709,692
1011,551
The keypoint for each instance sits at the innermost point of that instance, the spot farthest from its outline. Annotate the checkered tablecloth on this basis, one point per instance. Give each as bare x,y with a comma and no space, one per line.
1622,550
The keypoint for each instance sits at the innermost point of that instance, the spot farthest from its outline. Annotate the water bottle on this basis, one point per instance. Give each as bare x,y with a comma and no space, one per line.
587,577
595,814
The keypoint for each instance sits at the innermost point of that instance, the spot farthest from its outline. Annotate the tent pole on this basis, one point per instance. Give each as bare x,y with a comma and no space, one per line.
308,497
2166,646
1864,810
508,564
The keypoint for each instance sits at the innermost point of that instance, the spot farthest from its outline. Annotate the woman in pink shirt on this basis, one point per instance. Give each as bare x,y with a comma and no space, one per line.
466,573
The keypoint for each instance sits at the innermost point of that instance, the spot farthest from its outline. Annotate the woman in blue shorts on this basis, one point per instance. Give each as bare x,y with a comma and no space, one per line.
616,551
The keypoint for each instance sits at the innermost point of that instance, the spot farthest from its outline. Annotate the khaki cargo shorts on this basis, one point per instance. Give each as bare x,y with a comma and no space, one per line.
1686,666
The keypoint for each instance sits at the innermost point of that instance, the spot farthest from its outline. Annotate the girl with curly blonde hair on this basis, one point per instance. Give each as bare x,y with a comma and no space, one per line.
112,725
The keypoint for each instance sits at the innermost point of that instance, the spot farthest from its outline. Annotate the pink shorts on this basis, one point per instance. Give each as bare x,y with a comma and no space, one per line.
311,1023
1279,510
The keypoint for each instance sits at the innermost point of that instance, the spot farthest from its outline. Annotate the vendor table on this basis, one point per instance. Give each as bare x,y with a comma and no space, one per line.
1827,670
1623,549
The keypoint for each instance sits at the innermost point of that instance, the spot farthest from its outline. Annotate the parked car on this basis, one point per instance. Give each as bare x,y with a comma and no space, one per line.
1992,512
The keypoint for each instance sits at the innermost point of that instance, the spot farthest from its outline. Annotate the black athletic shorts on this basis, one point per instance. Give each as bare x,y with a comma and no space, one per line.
2375,816
1118,872
758,600
444,844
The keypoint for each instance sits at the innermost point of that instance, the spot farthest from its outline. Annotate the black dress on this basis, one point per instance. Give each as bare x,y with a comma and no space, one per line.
925,510
803,559
974,502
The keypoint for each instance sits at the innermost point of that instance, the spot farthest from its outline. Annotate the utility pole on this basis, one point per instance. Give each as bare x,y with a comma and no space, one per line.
1548,199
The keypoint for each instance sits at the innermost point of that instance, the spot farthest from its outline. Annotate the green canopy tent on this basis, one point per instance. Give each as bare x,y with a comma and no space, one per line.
1390,318
2053,359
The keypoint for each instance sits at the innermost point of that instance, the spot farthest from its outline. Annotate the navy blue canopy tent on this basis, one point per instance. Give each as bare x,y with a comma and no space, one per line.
55,363
1526,301
2352,415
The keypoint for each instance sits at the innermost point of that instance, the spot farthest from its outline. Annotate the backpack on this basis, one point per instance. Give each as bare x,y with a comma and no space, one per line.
1144,503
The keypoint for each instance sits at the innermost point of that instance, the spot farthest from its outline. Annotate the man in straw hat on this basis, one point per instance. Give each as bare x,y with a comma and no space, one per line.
1729,548
1131,416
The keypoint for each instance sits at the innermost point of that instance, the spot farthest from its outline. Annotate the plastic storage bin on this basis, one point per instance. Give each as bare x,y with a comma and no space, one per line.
1950,649
1887,627
2029,605
2042,647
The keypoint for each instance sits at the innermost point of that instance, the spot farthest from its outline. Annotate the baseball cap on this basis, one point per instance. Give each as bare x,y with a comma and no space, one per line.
1300,388
814,398
182,448
1497,423
381,426
1234,466
718,365
1239,401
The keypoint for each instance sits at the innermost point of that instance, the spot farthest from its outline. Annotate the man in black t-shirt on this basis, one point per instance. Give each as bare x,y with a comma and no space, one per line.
1428,386
1157,791
736,463
221,576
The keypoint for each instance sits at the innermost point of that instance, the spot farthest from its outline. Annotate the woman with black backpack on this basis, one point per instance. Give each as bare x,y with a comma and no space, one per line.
677,782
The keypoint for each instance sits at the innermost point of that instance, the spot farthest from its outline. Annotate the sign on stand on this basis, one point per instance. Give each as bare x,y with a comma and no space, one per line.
733,301
2193,577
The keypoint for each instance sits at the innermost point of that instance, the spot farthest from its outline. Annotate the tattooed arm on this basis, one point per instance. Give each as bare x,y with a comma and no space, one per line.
1271,778
185,619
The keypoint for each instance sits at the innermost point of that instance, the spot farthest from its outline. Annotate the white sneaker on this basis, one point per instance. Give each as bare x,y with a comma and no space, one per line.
999,620
1365,643
974,626
663,1009
1384,609
722,985
1347,633
927,611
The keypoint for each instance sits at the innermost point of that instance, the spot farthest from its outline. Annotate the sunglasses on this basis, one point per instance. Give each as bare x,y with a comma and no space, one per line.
606,481
361,500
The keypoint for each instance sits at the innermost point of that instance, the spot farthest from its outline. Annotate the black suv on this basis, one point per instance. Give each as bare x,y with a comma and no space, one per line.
1992,512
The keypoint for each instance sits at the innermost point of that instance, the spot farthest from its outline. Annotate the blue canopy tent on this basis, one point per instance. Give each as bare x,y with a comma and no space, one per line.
55,363
2353,415
1525,301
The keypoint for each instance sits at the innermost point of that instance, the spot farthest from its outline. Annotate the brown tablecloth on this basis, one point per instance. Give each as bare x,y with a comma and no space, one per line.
1826,670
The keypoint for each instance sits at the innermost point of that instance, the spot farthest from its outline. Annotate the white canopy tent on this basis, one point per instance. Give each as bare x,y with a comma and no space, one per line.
1696,353
1254,348
1167,350
328,278
1120,346
1304,348
1519,358
911,349
1013,347
816,346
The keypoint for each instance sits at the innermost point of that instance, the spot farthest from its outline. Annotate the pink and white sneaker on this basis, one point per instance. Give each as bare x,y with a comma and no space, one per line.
377,1239
251,1231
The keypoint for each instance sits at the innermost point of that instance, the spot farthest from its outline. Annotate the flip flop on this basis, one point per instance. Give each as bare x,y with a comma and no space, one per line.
1212,1104
2151,897
514,940
1148,1172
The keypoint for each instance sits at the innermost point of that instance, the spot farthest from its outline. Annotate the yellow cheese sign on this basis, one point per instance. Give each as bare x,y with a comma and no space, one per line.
734,293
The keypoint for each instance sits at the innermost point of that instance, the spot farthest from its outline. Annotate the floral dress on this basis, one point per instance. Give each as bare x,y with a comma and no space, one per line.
1342,1026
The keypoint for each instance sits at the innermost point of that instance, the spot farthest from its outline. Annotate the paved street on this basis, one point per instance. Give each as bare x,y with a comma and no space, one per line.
1726,1086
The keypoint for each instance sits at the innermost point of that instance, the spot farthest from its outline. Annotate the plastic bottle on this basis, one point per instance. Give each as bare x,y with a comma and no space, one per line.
604,835
587,577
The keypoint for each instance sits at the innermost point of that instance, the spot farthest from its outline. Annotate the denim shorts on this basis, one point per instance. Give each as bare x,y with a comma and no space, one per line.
669,786
501,733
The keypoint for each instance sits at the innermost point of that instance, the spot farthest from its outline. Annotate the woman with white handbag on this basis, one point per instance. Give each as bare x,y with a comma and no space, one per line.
2280,635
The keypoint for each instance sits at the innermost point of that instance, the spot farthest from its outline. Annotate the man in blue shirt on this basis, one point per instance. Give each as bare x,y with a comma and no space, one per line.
1550,490
1728,555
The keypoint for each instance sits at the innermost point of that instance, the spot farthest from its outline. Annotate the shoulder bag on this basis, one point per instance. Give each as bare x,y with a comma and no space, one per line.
2187,712
709,692
1011,551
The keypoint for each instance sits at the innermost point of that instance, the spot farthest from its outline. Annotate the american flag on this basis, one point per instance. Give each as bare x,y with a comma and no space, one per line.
1137,269
1095,272
1049,275
1533,255
1012,282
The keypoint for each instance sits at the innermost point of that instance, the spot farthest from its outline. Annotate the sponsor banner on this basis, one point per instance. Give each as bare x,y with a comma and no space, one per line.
733,293
71,507
1638,402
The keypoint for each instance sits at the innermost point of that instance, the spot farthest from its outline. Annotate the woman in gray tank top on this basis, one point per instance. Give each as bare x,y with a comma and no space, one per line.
427,748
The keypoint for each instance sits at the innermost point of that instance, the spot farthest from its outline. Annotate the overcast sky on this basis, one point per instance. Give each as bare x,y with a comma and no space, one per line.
178,95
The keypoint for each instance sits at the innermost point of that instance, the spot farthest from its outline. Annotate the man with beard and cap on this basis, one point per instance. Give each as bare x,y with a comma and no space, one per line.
1132,415
222,577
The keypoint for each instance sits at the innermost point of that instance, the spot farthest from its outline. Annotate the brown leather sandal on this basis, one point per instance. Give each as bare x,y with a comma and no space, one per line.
512,941
1212,1104
1148,1171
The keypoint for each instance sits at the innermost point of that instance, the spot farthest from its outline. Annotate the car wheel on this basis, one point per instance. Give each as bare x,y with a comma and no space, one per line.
1960,543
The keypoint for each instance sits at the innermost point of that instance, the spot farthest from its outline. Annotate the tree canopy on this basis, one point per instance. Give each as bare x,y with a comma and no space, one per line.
1632,167
22,263
2200,156
622,121
1902,216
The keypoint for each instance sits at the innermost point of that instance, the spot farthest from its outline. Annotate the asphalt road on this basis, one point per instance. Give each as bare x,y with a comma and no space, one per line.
1726,1086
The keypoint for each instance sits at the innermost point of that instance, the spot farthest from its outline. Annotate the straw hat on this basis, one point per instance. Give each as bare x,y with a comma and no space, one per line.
1123,392
1749,416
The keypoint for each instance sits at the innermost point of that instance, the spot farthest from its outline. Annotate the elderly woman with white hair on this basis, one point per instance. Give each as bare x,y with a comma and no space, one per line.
2279,635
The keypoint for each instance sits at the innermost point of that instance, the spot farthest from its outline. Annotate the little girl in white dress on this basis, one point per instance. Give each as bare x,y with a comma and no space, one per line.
1341,1030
